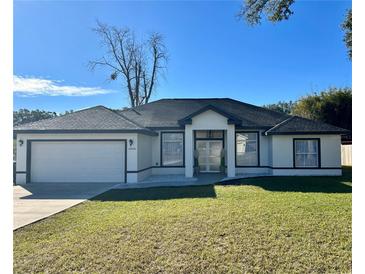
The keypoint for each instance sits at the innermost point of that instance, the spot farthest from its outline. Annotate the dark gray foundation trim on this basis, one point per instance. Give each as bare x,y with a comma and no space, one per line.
138,171
254,167
151,167
305,168
168,166
29,152
307,133
270,167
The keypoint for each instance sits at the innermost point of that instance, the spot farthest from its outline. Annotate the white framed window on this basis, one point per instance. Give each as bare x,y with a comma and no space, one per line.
306,153
247,149
172,148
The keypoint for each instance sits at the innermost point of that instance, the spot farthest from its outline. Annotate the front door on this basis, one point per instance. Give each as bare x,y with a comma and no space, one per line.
209,155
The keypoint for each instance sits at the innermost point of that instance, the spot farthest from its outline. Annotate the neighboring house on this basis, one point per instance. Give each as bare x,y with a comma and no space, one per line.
174,136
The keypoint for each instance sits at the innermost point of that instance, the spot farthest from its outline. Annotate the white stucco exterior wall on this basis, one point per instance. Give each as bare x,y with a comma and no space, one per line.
230,147
209,120
189,148
155,147
331,151
307,172
269,143
144,155
168,171
282,150
264,150
282,155
275,151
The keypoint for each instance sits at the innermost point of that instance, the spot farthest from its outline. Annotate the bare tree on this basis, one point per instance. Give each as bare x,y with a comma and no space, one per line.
137,63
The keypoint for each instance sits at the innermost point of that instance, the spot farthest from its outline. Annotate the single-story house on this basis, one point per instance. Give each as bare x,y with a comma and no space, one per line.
174,137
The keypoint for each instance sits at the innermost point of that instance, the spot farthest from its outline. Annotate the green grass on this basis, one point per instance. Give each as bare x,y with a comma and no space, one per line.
286,224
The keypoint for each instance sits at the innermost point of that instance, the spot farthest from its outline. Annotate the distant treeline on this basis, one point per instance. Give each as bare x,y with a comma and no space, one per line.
23,116
333,106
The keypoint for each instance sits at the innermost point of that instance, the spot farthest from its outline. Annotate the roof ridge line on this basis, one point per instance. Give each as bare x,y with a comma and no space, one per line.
280,124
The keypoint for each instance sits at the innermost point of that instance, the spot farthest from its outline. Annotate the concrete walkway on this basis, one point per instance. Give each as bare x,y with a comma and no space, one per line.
181,180
33,202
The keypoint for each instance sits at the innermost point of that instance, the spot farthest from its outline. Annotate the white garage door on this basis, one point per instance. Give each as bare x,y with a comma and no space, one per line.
77,161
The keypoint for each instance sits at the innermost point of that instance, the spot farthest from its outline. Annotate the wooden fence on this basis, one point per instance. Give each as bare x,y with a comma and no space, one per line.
346,155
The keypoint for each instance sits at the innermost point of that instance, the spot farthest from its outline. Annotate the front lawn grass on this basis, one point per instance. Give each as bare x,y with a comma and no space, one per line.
282,224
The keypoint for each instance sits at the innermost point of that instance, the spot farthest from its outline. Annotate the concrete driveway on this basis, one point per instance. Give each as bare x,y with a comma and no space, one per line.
33,202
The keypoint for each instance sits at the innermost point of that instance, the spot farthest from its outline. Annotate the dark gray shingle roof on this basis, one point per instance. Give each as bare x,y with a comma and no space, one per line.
299,125
167,112
97,118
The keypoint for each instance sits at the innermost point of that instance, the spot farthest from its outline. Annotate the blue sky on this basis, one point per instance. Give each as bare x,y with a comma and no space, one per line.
212,54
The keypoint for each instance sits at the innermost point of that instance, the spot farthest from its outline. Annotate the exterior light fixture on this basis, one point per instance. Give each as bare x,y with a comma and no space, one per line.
21,142
130,142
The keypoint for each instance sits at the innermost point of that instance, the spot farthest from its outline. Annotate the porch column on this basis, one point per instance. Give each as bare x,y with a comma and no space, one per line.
231,169
189,158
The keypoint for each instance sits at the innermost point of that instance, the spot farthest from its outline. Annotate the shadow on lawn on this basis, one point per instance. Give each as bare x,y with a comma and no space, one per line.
157,193
320,184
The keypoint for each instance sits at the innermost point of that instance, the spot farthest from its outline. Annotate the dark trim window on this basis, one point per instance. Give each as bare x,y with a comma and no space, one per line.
209,134
172,149
247,149
307,153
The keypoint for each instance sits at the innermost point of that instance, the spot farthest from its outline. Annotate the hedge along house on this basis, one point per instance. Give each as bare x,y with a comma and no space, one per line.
174,137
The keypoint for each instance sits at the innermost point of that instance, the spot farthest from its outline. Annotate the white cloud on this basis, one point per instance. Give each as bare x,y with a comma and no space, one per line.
31,86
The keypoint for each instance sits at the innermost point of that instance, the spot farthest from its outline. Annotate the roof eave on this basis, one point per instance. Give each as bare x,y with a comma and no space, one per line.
65,131
253,127
327,132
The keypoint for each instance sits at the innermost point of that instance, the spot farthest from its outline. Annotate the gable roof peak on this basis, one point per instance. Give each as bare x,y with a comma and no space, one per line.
231,118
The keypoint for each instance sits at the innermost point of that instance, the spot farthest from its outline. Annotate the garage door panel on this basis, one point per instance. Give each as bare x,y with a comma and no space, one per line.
78,161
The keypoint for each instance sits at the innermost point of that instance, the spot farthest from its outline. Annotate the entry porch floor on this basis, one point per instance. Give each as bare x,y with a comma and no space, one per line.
181,180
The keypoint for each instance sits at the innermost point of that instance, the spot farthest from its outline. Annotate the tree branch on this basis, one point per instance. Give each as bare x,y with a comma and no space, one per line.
128,57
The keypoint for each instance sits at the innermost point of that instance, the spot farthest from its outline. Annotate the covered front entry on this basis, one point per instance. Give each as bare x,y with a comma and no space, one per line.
210,154
209,143
209,151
